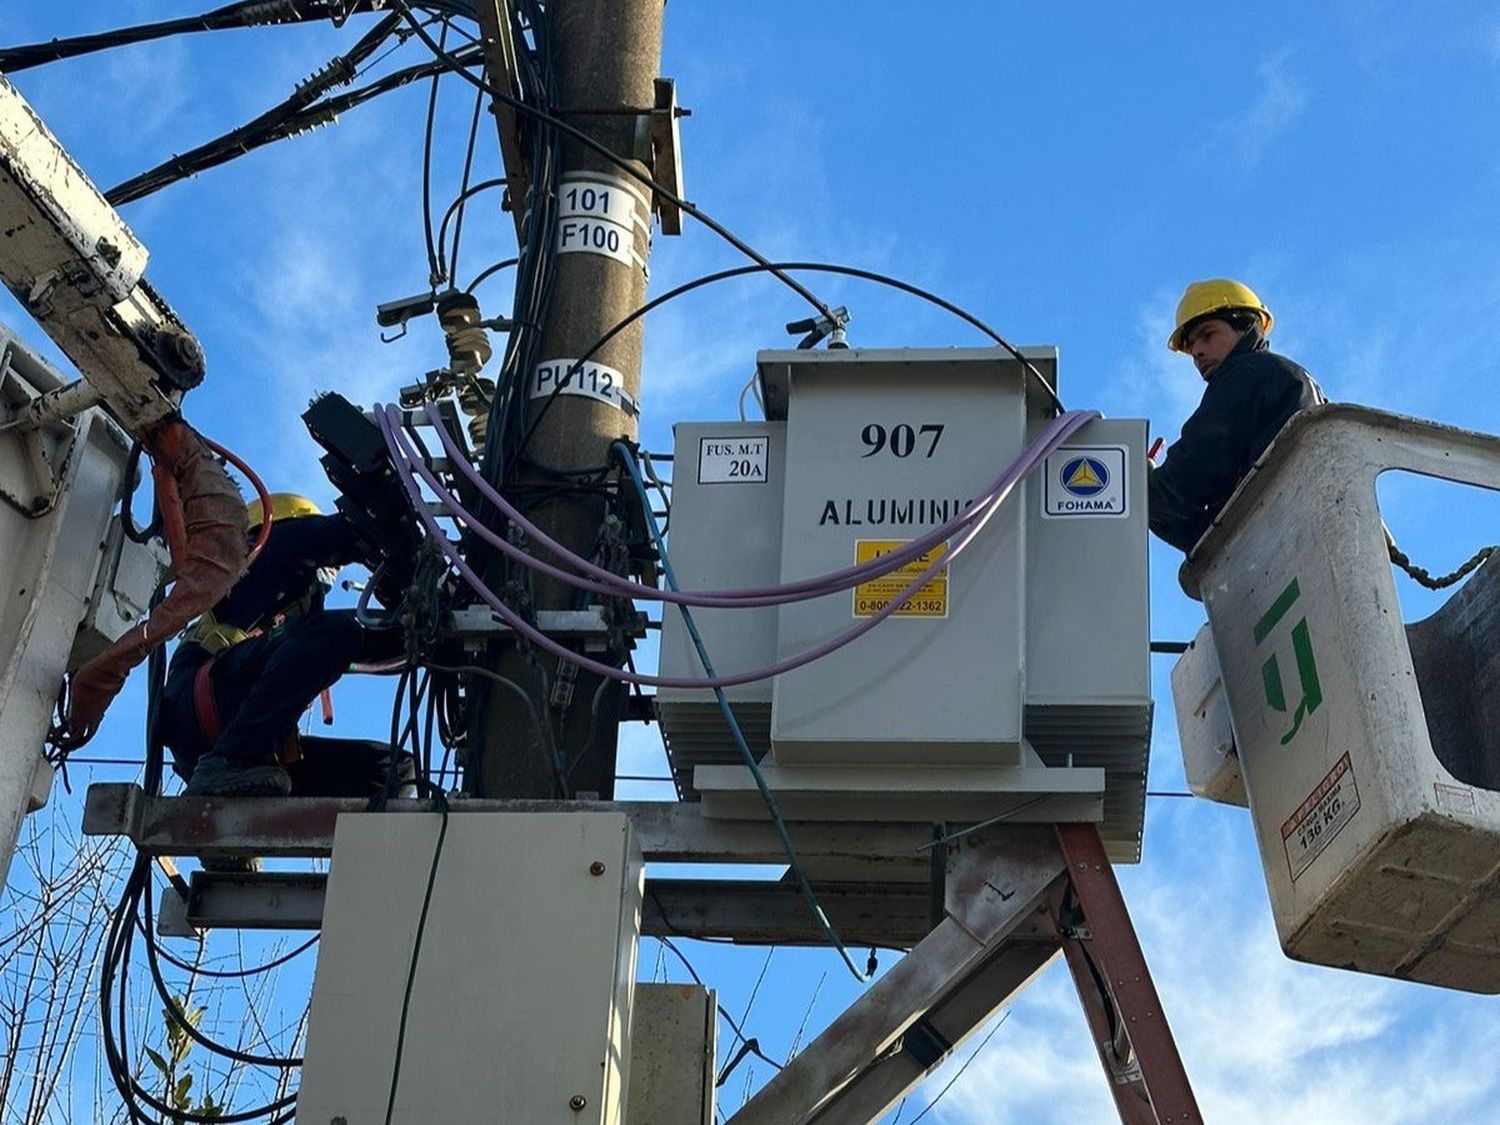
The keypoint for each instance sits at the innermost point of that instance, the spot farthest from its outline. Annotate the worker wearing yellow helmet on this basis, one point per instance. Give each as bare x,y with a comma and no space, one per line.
244,673
1252,393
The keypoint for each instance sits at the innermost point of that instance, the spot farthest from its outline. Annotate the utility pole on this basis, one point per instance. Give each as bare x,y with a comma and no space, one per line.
608,54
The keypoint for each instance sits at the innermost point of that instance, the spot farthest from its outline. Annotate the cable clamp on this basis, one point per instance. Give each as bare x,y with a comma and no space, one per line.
820,326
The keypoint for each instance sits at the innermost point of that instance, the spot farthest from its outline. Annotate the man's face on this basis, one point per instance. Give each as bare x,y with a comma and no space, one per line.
1210,343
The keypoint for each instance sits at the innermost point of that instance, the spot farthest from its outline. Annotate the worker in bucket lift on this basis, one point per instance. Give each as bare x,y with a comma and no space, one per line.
1252,393
245,672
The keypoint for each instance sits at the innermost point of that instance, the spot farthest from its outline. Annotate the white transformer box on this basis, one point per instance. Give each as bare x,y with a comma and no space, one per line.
1017,675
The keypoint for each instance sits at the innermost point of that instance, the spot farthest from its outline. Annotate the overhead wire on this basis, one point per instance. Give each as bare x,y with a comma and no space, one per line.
959,1073
435,268
789,267
281,122
246,13
451,266
608,154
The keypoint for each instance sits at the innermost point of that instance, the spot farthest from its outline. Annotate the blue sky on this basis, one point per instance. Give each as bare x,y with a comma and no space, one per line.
1062,170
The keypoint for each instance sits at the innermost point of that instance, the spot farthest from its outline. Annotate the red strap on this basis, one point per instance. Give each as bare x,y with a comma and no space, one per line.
205,706
327,700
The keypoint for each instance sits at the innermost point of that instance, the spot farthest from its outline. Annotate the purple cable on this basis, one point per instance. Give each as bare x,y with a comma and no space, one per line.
1029,459
1057,431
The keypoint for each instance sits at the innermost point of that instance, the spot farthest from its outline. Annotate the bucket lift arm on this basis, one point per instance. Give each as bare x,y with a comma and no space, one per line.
77,269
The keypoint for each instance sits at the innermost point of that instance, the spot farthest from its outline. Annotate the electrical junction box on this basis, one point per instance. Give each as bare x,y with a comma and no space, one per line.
520,1008
1016,681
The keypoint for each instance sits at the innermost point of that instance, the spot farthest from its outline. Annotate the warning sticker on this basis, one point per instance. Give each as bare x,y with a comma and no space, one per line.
1085,480
873,596
1321,817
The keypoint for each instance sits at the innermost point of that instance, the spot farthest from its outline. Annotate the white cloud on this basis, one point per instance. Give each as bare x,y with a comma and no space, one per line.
1281,100
1154,381
1264,1038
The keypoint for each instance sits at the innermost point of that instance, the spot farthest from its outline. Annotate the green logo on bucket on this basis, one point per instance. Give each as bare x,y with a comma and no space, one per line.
1307,667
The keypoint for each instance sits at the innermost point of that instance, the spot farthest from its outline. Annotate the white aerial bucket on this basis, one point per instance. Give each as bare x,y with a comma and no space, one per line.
1373,778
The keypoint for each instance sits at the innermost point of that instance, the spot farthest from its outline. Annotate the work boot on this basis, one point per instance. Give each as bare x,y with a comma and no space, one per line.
230,864
218,776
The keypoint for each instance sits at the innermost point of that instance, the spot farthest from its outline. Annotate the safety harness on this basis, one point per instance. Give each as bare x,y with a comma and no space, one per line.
216,638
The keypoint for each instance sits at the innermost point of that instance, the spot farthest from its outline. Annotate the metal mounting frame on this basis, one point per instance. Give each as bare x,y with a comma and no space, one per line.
982,915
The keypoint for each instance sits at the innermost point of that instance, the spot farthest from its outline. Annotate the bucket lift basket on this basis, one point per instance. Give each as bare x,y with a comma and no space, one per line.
1364,754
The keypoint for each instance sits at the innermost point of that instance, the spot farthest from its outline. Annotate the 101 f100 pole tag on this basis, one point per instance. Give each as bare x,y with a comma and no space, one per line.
600,215
591,380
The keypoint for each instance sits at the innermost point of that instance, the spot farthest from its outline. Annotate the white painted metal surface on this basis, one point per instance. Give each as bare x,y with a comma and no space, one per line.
52,539
1377,857
521,1006
673,1052
77,268
882,446
1204,733
1037,655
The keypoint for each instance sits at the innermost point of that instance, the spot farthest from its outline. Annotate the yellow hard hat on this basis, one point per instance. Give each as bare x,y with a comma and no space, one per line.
1218,294
284,506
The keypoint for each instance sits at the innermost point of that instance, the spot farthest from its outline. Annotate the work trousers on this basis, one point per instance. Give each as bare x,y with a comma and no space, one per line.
261,688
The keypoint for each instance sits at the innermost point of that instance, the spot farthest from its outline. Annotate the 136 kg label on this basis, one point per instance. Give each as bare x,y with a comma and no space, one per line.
1328,808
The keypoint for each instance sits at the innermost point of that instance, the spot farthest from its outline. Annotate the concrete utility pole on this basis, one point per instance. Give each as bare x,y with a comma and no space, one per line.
608,54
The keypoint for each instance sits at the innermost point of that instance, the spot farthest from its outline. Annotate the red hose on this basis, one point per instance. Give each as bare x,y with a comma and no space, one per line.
266,519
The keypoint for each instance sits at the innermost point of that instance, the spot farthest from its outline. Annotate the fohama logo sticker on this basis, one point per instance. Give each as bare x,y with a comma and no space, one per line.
1086,480
1085,476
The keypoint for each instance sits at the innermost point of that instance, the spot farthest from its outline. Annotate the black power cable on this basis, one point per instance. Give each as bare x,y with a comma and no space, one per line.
776,268
463,198
276,124
488,272
247,13
434,267
416,953
451,266
625,165
227,974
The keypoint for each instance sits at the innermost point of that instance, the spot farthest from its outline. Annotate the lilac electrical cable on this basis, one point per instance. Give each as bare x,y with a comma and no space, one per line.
1029,459
833,582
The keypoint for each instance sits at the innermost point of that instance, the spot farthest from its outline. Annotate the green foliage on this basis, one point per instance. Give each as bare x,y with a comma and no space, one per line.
179,1088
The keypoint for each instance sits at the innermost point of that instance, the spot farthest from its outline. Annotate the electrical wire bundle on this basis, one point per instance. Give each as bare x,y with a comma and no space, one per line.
132,915
536,256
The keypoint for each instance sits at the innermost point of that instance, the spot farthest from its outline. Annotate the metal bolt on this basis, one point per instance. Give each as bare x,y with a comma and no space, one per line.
577,1102
596,868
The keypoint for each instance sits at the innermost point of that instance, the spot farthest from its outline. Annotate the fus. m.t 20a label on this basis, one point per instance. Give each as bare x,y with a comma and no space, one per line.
733,460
